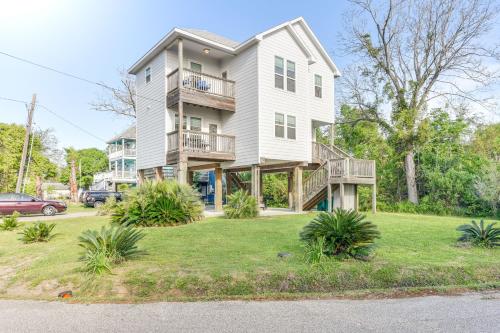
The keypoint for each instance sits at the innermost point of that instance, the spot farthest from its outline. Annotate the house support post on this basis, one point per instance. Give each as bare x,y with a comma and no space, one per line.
218,189
261,187
342,198
140,177
229,183
159,174
290,189
329,188
374,198
356,198
182,172
297,188
255,175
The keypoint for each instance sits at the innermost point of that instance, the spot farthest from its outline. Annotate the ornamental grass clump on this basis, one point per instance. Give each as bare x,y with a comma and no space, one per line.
110,245
37,233
10,222
241,205
155,204
479,235
342,233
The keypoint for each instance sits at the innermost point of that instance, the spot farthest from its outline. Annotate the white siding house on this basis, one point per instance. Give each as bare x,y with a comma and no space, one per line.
251,106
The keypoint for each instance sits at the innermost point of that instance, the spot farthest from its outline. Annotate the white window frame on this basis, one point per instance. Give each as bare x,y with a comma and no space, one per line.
279,125
294,126
320,86
291,78
191,120
197,63
282,75
147,74
176,122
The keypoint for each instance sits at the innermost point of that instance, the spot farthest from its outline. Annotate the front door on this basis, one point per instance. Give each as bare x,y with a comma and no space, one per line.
212,129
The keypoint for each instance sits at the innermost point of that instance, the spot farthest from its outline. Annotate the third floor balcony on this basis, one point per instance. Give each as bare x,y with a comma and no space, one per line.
200,89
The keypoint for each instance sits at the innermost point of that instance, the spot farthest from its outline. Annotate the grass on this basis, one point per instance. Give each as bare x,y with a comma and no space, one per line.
221,258
79,207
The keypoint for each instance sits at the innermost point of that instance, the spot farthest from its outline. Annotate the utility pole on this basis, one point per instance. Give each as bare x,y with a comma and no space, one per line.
20,175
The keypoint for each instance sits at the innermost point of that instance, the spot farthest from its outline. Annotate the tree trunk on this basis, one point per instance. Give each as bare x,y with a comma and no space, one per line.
72,183
38,187
411,183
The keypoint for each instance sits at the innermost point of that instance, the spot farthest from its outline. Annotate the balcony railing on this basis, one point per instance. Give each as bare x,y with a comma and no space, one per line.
201,142
351,167
201,82
122,152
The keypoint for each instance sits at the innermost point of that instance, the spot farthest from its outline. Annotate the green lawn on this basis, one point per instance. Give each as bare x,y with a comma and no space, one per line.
78,207
220,258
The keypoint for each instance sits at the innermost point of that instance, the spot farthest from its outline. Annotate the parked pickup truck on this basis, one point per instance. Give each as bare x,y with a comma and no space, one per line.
98,198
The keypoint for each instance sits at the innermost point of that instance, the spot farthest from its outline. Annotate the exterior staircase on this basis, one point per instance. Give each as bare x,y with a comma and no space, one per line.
336,168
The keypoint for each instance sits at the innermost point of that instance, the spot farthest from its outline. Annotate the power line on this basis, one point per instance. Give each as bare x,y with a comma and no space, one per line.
57,115
73,76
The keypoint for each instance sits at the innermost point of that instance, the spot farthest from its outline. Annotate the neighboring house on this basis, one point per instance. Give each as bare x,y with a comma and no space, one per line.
209,103
122,162
52,191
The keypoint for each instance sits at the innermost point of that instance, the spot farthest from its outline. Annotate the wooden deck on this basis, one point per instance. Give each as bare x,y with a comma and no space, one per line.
200,89
201,146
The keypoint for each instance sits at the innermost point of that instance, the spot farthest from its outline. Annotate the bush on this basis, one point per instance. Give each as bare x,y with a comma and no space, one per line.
123,187
159,204
478,235
111,245
10,222
345,233
108,207
241,205
38,232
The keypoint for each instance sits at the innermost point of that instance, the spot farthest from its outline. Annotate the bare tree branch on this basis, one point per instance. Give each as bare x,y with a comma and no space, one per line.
121,102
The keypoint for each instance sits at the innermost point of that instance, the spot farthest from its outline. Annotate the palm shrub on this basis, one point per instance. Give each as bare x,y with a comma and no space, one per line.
159,204
241,205
479,235
110,245
10,222
345,233
38,232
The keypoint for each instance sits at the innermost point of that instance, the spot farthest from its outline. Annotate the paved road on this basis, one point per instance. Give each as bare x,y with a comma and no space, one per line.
63,216
466,313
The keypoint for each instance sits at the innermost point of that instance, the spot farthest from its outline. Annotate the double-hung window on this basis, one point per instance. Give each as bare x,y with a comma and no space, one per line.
290,76
195,124
148,74
279,72
290,127
318,86
184,122
279,125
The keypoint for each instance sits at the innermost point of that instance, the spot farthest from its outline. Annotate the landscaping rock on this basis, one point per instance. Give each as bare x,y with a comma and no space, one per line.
284,255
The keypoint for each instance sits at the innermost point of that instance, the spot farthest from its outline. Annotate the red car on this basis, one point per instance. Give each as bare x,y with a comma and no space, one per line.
26,204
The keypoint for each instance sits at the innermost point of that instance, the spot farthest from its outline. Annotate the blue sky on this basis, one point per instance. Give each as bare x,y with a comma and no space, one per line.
93,39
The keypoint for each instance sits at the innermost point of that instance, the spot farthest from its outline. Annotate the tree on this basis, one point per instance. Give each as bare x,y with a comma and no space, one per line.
410,53
11,146
486,141
87,162
118,101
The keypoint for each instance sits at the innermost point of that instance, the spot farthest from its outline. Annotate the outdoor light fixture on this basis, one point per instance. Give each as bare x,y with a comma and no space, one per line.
206,51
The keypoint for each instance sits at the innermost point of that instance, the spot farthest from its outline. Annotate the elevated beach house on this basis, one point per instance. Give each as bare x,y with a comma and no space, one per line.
205,102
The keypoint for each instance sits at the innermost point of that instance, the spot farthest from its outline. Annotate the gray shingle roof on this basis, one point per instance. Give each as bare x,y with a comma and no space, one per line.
129,133
213,37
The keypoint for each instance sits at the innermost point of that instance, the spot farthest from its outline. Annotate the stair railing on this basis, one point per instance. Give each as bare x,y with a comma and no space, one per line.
316,181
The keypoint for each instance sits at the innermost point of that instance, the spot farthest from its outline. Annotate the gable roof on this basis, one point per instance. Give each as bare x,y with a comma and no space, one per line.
213,37
233,47
129,133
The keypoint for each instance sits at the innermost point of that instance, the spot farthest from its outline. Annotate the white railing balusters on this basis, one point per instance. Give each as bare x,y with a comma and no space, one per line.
206,83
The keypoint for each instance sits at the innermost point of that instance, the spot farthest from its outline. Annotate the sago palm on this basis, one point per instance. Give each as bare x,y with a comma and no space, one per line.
344,232
479,235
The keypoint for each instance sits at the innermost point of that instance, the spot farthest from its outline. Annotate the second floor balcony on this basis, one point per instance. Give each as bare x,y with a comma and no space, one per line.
201,146
200,89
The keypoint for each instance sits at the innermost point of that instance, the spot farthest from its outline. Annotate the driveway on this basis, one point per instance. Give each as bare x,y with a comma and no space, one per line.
466,313
63,216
